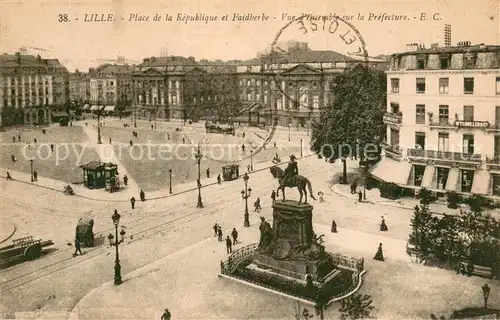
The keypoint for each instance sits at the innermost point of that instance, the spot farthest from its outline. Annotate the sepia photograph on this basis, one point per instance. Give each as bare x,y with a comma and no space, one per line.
249,159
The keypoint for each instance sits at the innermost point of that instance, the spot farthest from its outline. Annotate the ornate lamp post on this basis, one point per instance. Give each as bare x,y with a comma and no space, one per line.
98,124
198,162
486,294
245,194
31,169
116,220
170,175
251,160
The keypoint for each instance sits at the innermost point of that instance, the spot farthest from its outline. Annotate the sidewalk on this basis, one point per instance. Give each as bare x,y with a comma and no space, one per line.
7,230
186,283
373,197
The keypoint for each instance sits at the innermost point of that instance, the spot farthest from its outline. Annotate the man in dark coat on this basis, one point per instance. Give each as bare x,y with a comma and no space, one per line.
125,179
218,179
208,172
77,248
132,202
142,195
229,245
166,315
216,228
291,170
234,234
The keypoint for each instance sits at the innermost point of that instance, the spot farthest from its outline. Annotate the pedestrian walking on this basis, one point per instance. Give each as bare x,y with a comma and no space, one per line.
208,172
34,140
8,177
320,196
13,158
229,245
234,234
13,139
125,179
218,179
273,196
183,140
334,226
35,175
243,148
383,226
132,202
19,138
166,315
142,196
219,233
257,205
354,186
151,127
131,143
216,228
380,254
360,196
52,147
109,140
77,248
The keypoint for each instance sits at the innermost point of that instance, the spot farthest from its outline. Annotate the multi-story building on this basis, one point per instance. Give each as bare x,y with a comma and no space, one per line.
79,87
290,88
31,88
111,85
443,119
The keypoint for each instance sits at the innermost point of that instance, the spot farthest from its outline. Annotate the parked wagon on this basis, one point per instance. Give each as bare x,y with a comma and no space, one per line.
230,172
26,248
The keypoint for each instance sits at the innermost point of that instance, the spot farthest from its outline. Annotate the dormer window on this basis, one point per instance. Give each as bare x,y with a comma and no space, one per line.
444,62
420,63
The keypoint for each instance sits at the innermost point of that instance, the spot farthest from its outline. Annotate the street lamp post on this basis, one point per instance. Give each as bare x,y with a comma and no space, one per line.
116,220
31,169
301,147
289,133
251,160
170,175
198,162
245,194
486,293
98,125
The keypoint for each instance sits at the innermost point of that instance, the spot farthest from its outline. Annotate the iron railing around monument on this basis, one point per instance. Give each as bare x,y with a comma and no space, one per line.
347,280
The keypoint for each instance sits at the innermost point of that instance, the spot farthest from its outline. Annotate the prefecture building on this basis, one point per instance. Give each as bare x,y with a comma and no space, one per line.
287,89
31,88
443,119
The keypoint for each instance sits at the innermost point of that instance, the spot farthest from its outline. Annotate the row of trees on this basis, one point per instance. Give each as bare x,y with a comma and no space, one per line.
451,238
353,118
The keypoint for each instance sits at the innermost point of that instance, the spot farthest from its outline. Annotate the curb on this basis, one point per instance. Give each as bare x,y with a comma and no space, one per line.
14,229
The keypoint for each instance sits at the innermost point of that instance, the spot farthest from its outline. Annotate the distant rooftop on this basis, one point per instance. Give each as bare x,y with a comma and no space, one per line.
465,48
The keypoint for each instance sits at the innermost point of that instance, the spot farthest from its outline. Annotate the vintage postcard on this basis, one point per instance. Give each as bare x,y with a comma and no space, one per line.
250,159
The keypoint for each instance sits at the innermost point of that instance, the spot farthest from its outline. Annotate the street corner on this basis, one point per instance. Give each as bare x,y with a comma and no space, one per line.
7,230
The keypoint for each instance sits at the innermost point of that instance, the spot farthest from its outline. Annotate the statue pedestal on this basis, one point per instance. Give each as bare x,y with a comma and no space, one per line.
293,252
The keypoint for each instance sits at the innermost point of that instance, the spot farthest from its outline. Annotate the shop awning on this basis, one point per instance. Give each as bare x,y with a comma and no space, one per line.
59,114
390,170
109,108
428,176
452,182
481,182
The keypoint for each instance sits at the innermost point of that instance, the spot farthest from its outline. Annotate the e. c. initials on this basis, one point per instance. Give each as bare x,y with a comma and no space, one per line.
331,26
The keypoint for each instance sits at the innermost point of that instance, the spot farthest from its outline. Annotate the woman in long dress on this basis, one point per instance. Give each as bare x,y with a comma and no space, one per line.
380,254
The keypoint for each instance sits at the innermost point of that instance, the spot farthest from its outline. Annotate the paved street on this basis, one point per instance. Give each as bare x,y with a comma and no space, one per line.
179,243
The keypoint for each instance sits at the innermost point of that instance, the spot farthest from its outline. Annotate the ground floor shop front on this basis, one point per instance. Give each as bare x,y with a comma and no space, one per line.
472,178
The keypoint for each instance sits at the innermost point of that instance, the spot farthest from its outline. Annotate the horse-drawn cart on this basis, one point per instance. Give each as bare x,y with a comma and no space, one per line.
25,248
230,172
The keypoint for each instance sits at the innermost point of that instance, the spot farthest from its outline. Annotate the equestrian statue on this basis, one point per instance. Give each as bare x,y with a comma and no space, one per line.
290,178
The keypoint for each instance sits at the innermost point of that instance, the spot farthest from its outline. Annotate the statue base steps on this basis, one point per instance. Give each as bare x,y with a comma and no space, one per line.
296,269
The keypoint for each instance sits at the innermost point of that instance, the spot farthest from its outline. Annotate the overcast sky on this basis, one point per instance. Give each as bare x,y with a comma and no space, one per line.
77,43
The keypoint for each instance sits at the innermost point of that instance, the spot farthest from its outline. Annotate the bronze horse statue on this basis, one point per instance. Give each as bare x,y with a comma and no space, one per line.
297,181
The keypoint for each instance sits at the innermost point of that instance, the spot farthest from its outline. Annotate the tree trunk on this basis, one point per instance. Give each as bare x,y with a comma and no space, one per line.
344,171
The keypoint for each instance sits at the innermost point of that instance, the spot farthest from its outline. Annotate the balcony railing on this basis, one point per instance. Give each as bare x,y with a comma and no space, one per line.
444,155
441,123
390,117
493,161
393,149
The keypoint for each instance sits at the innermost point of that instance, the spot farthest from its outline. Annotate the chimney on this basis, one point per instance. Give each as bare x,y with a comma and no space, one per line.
18,57
410,47
463,44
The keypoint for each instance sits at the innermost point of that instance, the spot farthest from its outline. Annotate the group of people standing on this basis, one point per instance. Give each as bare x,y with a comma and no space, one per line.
229,243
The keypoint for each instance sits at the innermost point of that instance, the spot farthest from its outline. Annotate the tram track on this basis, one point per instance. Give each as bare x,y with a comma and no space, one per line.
147,231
